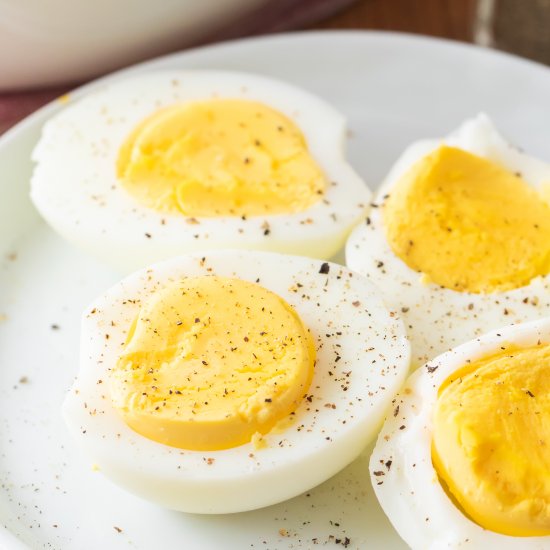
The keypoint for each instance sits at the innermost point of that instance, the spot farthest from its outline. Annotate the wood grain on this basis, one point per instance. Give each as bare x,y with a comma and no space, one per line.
444,18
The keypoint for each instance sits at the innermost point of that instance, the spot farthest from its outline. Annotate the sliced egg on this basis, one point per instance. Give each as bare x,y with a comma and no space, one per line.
165,163
231,380
458,239
462,459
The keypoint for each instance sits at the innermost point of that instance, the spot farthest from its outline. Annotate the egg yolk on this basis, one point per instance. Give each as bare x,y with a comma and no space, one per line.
220,158
210,362
491,438
468,224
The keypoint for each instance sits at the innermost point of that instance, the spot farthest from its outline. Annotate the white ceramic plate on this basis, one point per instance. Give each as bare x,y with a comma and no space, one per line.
394,89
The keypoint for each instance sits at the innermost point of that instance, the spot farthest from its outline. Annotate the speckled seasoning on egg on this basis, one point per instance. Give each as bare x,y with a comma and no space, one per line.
361,360
447,292
491,452
165,163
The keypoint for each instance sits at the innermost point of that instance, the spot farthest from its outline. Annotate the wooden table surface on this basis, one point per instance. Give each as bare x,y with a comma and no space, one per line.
444,18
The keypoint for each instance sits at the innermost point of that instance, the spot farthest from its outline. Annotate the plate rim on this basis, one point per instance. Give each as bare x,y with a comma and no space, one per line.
49,109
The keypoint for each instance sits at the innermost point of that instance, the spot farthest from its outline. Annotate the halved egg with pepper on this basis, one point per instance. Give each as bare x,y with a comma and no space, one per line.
226,381
459,238
462,460
165,163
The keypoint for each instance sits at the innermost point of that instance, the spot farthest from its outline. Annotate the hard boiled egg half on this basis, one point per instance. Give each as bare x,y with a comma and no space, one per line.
226,381
462,460
165,163
459,239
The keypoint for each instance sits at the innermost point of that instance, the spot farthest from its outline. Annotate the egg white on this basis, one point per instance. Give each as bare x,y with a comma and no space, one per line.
75,188
402,472
345,407
438,318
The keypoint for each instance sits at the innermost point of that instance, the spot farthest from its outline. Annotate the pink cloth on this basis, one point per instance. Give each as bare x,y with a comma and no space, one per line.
16,106
277,16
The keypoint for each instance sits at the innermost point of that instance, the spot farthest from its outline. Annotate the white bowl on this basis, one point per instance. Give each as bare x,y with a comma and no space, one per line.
50,42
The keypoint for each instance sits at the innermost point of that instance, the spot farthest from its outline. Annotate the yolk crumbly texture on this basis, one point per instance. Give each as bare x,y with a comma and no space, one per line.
491,440
468,224
223,157
211,361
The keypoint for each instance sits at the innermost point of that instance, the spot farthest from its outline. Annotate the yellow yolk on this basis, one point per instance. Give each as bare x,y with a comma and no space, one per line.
220,158
491,440
211,361
468,224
